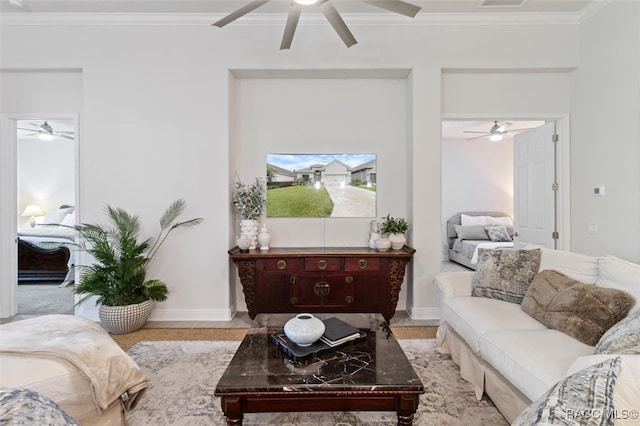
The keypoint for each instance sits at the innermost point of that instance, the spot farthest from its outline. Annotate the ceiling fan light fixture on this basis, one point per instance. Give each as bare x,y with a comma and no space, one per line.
306,2
495,137
45,136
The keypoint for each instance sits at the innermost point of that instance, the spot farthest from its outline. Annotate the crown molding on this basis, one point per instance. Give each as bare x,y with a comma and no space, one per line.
267,19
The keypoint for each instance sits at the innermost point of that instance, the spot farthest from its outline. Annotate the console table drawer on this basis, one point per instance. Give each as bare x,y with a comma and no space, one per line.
362,264
280,264
323,264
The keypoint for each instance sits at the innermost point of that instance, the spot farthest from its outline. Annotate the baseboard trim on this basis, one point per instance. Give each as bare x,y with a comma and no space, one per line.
424,313
191,315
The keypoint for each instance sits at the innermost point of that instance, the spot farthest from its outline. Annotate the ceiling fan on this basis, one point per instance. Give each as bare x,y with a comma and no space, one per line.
45,131
496,132
327,9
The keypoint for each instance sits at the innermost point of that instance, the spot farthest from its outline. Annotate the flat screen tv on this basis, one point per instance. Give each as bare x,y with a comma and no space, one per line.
321,185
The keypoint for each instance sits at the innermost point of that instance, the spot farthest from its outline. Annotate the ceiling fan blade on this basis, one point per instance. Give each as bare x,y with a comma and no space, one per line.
468,131
397,6
65,136
239,13
292,23
477,137
331,13
502,128
519,130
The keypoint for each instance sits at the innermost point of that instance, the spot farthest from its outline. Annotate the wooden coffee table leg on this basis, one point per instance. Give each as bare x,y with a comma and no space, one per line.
232,409
407,406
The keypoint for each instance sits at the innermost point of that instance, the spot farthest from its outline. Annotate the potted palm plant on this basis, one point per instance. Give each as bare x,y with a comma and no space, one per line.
396,229
249,200
118,275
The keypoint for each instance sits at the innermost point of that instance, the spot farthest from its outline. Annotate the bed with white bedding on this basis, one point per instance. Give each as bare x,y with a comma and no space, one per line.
469,231
46,251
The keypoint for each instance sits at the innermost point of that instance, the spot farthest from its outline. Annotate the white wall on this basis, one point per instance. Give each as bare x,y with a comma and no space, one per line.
476,176
157,120
606,133
330,116
46,174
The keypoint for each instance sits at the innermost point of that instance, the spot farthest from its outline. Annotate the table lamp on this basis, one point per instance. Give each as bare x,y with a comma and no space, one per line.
32,210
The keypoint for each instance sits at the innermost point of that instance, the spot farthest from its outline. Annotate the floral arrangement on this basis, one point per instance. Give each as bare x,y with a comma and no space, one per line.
249,199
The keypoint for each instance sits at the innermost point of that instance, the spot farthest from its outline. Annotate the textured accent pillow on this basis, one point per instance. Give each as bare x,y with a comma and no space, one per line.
27,407
498,233
577,399
476,232
620,274
467,220
505,274
622,338
583,311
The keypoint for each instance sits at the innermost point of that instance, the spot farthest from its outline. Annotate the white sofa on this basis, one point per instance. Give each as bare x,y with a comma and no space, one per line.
506,353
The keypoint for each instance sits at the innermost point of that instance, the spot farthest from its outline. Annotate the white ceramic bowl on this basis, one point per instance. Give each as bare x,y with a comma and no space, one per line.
304,329
383,244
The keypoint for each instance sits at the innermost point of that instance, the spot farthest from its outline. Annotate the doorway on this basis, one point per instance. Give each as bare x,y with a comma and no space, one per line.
45,199
478,173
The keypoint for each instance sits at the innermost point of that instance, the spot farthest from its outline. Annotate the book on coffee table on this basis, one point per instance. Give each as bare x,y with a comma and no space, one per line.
337,332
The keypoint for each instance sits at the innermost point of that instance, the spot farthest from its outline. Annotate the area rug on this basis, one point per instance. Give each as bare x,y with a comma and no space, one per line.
183,376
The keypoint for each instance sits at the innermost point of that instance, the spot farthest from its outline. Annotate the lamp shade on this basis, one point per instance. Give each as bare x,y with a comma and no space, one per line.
32,210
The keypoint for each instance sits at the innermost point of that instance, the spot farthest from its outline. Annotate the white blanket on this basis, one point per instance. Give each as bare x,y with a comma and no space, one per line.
54,231
85,345
491,245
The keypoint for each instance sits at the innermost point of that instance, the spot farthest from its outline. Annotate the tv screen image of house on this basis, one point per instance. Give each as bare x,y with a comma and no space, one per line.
321,185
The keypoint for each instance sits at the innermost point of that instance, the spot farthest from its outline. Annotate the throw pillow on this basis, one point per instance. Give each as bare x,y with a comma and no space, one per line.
28,407
55,216
467,220
620,274
577,399
622,338
476,232
498,233
505,274
583,311
502,220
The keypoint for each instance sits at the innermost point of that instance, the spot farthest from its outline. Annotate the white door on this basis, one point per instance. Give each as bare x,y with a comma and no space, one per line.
534,198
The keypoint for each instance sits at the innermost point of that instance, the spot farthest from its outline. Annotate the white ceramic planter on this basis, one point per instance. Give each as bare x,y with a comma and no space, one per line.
397,241
304,329
125,319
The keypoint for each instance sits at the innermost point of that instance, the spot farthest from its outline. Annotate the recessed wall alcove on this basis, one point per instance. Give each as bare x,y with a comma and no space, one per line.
322,111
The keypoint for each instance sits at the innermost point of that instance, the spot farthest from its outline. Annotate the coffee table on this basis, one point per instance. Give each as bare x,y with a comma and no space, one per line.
369,375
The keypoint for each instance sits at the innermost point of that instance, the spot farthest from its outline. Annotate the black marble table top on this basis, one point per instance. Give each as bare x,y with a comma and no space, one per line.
374,364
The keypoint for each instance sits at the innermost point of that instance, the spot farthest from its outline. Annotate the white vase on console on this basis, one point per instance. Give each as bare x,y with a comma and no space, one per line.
264,238
249,231
397,241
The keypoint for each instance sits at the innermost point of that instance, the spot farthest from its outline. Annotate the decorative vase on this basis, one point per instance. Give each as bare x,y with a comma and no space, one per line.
383,244
397,241
249,230
374,233
244,243
304,329
264,238
125,319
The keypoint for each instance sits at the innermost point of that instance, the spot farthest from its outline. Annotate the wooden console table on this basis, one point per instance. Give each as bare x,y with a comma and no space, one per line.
338,279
